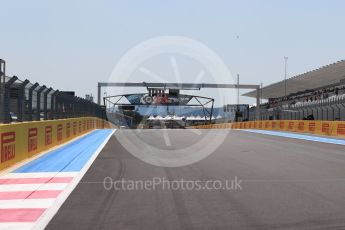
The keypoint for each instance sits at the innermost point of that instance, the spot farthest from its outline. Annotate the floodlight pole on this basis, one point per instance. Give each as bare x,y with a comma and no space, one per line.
98,94
261,85
2,89
238,89
258,92
286,59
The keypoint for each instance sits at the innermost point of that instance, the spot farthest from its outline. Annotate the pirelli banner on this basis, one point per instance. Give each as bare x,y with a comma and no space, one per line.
23,140
329,128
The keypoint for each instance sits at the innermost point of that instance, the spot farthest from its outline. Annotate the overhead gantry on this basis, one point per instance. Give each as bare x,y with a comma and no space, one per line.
182,86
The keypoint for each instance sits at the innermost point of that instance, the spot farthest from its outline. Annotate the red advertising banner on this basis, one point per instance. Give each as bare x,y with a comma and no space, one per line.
48,135
312,127
68,129
341,129
74,128
59,132
32,139
301,125
325,128
8,146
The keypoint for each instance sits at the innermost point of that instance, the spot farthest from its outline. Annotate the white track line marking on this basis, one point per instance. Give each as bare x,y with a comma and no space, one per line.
44,219
32,187
166,138
27,203
196,131
39,174
16,226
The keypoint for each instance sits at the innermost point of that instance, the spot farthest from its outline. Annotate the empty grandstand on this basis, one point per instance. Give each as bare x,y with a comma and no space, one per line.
315,95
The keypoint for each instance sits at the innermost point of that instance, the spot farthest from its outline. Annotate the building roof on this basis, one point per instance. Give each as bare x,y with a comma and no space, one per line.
321,77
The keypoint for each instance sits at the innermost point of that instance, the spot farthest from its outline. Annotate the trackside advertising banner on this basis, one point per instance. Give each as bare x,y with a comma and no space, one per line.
22,140
329,128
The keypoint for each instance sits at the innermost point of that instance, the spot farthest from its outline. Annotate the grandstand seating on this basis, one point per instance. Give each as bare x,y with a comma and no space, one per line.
317,94
326,103
310,97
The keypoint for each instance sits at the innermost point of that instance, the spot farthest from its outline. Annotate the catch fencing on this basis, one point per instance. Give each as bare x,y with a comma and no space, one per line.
21,100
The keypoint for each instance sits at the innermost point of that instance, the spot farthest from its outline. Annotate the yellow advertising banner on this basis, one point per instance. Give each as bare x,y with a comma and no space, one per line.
329,128
19,141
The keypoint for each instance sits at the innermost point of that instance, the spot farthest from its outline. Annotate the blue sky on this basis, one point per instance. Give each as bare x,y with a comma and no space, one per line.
71,45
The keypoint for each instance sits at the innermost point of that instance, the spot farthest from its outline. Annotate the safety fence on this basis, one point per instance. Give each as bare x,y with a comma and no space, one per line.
20,141
26,101
329,128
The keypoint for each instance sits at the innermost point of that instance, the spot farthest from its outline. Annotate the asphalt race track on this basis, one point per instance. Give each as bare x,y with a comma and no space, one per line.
285,184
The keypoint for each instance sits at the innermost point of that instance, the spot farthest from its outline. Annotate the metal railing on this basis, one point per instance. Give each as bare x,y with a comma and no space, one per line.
26,101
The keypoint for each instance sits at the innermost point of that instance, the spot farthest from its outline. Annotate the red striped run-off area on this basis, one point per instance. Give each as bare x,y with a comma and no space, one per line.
24,197
32,194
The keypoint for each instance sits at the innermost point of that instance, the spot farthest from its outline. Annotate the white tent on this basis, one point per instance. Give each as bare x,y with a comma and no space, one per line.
151,118
198,118
219,117
177,118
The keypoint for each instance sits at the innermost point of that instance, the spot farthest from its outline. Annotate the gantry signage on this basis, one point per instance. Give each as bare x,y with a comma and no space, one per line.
164,99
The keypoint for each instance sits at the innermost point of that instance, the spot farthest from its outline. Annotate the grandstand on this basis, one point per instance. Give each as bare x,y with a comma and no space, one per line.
316,95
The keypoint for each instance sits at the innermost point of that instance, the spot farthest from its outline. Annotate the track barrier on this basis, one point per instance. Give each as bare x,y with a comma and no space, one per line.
327,128
20,141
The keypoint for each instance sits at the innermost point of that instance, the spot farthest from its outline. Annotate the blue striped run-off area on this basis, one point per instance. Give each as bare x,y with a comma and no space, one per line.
299,136
70,157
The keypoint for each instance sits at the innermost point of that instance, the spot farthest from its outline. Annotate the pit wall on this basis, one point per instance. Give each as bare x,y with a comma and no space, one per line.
20,141
328,128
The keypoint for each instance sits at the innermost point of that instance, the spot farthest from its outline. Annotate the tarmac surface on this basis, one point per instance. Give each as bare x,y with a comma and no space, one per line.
281,183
